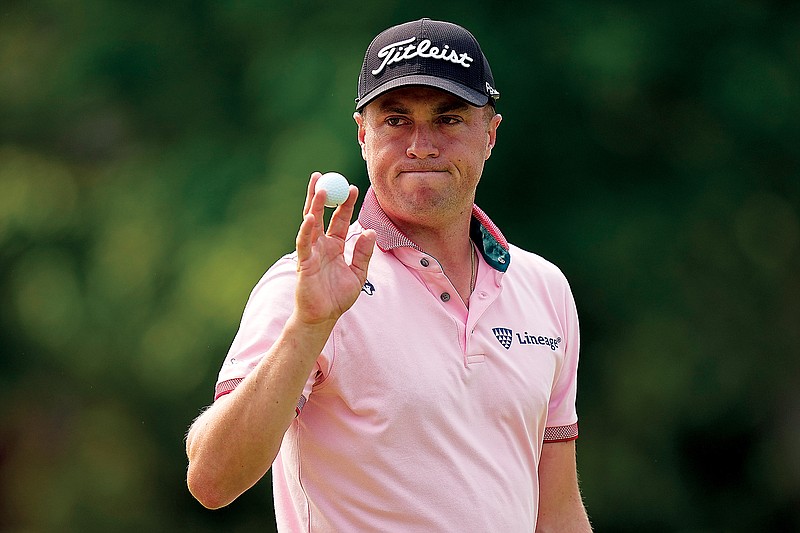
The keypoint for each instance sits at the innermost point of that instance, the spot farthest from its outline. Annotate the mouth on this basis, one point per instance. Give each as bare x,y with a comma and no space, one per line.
422,171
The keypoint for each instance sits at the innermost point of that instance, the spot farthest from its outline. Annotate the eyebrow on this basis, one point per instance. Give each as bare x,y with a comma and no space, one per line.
447,107
394,107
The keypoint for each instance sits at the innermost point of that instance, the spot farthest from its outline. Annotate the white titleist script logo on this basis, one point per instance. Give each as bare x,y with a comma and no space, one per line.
403,50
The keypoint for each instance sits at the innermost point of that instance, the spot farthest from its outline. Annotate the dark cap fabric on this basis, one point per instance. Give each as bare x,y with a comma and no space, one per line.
426,52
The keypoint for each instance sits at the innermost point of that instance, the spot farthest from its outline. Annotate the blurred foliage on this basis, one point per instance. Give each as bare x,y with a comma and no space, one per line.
153,158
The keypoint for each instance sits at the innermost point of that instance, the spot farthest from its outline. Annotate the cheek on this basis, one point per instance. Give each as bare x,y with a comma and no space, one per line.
381,150
376,160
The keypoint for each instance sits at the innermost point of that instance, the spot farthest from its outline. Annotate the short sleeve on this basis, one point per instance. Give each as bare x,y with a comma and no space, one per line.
268,308
562,416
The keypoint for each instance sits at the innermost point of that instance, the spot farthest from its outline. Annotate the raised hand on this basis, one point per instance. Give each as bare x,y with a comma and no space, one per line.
327,285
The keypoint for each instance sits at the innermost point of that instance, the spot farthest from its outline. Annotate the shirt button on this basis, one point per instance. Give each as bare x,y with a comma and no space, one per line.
482,294
445,296
424,262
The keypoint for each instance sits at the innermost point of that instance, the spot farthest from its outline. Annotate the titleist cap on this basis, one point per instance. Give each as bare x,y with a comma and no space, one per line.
426,52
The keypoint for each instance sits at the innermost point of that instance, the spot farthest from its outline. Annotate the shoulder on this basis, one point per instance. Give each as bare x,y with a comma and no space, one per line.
525,263
275,288
283,270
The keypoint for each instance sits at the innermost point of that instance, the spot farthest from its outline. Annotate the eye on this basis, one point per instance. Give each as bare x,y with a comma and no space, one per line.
395,121
450,119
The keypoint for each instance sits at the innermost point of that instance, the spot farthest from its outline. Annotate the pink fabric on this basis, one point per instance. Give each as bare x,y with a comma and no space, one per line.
422,415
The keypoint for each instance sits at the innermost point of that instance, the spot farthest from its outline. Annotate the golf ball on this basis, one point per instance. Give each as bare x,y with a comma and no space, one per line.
335,186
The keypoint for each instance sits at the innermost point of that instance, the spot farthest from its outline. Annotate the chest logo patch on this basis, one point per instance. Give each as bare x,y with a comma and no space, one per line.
505,337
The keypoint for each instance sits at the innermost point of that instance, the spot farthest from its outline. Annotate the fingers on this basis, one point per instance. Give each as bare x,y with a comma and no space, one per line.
362,253
340,220
312,227
312,183
304,241
315,205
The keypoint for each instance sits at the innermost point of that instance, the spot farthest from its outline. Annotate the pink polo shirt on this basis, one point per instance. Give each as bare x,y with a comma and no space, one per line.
422,415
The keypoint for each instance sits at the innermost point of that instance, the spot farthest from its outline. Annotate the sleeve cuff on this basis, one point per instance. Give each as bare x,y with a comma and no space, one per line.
561,433
225,387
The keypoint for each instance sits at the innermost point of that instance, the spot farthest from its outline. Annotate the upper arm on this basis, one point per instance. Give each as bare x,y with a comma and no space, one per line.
560,504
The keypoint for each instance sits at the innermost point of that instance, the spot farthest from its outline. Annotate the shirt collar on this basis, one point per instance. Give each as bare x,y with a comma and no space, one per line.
483,232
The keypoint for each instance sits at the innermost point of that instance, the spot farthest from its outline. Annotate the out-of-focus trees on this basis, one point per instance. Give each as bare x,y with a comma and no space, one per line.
153,160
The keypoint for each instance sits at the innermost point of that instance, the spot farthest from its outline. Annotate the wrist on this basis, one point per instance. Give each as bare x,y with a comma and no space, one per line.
302,328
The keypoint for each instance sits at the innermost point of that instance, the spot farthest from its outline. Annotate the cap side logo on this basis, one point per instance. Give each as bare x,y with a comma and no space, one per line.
404,50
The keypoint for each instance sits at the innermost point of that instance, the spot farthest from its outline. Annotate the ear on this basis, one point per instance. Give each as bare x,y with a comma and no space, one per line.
491,134
361,133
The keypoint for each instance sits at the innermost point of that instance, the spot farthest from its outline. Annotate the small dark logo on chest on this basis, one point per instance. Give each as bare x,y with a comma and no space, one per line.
368,288
504,336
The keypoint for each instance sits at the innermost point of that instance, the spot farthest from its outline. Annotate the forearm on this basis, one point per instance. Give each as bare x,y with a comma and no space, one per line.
571,520
232,445
561,508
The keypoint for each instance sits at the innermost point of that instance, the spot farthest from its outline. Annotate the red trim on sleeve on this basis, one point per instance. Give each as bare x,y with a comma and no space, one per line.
372,216
226,387
299,407
561,433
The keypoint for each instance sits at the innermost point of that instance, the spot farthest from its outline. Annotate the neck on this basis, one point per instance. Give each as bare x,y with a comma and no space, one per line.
441,236
453,249
447,240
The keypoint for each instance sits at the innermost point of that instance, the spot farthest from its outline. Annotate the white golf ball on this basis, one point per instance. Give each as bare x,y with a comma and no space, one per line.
335,186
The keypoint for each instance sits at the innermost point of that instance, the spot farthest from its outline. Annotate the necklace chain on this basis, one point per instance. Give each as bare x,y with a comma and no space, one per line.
472,275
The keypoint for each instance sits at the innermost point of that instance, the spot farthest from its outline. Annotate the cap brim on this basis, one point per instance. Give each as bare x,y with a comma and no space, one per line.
470,96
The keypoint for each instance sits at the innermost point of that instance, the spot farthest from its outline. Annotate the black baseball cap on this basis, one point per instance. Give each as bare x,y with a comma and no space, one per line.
426,52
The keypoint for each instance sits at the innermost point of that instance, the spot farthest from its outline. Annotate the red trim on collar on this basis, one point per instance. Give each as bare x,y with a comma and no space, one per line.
372,216
389,236
491,227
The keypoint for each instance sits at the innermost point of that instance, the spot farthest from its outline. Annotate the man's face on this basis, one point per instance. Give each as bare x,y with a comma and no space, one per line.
425,151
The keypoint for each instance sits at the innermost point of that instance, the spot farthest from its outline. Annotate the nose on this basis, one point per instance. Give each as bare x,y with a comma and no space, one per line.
422,143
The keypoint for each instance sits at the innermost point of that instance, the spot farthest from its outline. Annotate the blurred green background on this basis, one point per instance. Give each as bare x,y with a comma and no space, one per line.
153,158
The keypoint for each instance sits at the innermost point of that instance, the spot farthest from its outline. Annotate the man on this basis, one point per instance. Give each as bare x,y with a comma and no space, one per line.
430,385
